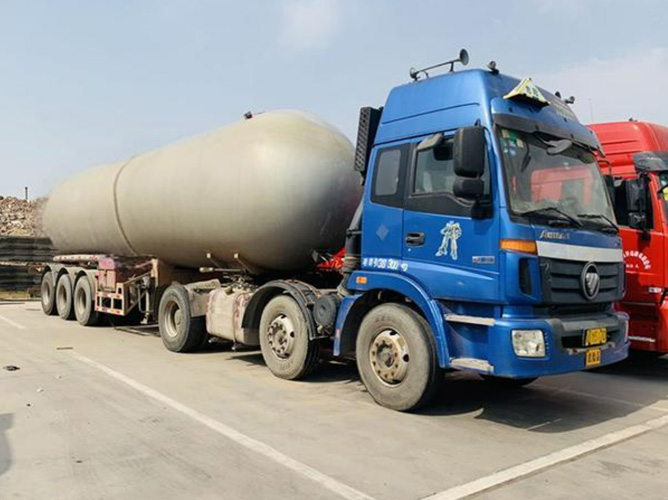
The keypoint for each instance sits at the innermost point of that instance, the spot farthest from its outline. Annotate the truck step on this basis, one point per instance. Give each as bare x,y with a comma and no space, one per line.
479,365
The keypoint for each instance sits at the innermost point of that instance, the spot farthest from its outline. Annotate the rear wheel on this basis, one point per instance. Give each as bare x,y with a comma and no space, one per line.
48,294
284,341
396,357
508,382
64,297
180,332
84,304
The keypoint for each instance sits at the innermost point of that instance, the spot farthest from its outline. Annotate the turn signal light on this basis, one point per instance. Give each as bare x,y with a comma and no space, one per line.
524,246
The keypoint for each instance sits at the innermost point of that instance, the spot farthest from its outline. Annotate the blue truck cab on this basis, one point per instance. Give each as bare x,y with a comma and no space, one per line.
485,241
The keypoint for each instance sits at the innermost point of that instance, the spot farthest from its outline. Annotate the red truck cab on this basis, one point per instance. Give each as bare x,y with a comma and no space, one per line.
636,166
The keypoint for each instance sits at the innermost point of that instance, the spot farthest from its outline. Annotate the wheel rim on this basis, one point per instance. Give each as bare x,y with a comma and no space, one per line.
389,357
80,301
173,319
281,336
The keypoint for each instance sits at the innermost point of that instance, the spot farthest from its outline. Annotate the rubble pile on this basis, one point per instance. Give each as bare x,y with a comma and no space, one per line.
20,217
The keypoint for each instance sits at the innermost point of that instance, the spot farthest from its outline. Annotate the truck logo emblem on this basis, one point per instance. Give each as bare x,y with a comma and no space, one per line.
451,233
590,281
553,235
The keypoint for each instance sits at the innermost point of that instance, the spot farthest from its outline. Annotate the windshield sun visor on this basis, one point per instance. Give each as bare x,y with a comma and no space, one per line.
530,126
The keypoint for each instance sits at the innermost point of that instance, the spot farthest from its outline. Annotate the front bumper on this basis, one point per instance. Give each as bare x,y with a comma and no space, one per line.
564,352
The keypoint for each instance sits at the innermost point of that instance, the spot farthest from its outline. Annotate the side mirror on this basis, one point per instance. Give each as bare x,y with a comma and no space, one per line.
469,189
635,196
636,204
469,152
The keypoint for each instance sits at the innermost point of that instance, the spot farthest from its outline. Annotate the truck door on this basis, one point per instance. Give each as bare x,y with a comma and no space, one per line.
643,253
449,251
382,222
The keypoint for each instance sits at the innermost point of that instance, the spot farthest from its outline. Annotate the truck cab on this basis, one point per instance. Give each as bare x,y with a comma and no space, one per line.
636,164
485,214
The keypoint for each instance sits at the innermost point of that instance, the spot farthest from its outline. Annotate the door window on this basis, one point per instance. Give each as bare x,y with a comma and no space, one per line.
388,176
432,180
434,171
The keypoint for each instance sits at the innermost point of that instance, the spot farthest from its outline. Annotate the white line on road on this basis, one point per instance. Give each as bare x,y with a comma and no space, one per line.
12,323
230,433
539,464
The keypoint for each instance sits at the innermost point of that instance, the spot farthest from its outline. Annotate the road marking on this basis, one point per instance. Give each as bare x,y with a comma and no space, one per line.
589,395
12,323
230,433
539,464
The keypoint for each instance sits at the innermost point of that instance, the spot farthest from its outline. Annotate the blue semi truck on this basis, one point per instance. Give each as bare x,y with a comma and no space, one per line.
485,241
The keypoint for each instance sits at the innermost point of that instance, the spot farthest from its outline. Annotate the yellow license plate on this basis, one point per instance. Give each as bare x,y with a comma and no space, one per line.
593,357
595,336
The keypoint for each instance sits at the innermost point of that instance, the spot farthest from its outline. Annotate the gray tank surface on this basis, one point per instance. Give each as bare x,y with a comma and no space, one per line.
265,192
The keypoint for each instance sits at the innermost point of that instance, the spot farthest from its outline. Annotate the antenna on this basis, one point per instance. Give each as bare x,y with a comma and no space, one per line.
463,59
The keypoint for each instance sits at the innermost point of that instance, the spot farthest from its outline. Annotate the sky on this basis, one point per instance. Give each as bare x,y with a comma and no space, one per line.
86,82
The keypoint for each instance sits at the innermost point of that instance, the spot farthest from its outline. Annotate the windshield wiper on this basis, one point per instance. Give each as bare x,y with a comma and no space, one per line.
611,225
542,211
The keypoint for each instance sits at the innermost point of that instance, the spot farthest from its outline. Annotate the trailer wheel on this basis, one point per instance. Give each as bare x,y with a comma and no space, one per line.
64,297
84,303
180,332
286,348
396,357
48,294
507,382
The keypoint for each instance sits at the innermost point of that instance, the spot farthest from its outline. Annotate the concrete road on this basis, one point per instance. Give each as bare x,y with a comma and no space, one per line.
103,413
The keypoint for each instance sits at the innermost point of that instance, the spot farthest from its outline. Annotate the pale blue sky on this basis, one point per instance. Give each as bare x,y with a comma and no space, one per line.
86,82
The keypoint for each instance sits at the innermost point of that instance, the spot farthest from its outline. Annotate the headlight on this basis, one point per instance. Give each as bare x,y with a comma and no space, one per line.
529,343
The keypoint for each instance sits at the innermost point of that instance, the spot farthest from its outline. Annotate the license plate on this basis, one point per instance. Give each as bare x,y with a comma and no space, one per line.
593,357
595,336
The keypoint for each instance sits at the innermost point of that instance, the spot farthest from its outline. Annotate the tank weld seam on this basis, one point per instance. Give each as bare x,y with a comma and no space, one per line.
116,212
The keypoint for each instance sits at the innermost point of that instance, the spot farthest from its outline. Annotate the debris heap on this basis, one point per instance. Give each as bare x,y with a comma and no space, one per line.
20,217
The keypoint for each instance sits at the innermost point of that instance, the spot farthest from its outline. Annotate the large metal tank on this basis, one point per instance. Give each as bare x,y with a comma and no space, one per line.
266,192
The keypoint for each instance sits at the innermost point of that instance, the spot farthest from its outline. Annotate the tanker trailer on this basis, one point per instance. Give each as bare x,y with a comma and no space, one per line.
188,234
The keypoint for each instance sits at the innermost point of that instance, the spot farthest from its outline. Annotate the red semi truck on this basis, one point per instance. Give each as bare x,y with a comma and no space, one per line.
636,168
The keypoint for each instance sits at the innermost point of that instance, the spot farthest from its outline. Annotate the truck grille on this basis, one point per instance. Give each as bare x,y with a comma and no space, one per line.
561,281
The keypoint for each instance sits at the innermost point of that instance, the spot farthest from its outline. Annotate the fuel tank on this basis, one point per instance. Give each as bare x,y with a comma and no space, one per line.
262,194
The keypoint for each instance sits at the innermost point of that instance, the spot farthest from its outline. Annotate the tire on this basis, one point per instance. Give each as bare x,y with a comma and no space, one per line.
48,294
286,348
396,357
180,332
64,297
84,303
508,382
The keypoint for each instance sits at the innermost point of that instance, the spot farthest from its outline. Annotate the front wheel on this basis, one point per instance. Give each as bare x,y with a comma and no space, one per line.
179,330
396,357
284,340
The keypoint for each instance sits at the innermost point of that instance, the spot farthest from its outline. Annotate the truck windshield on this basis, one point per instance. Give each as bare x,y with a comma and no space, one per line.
560,184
